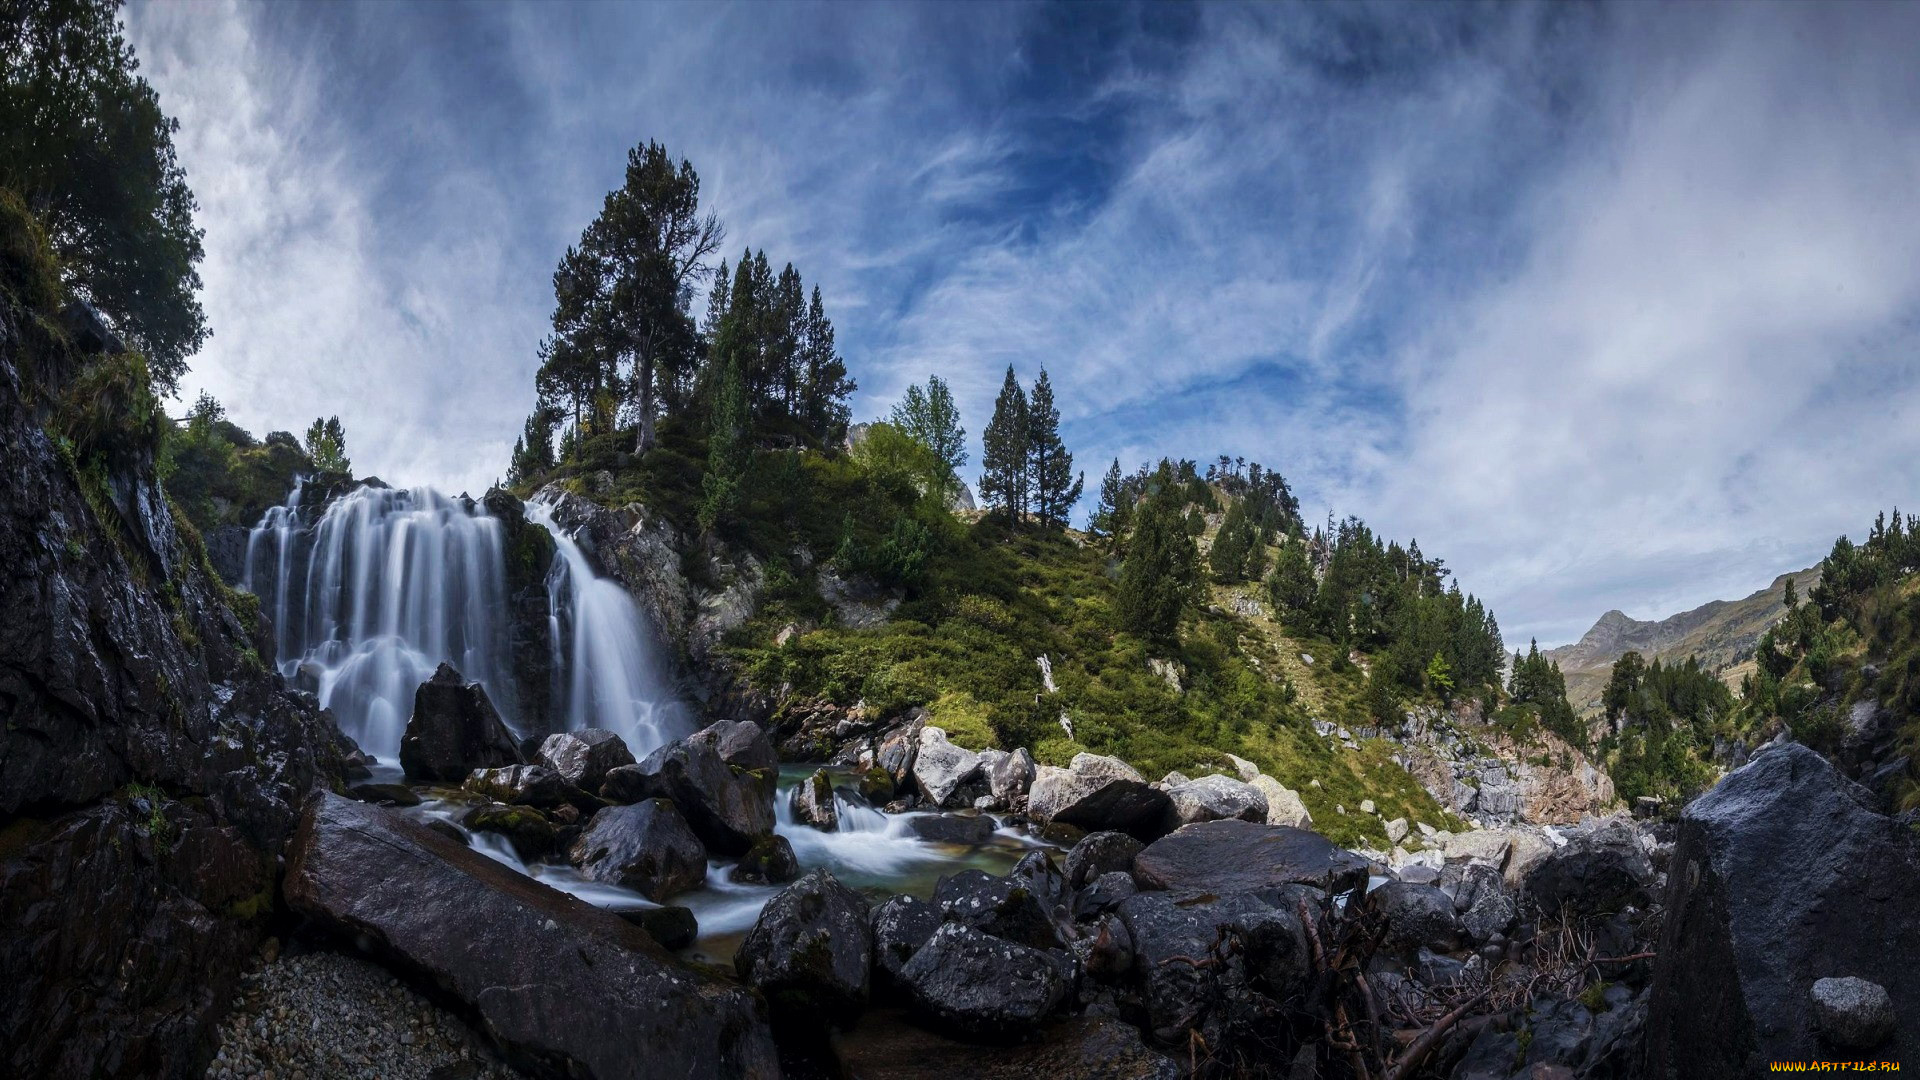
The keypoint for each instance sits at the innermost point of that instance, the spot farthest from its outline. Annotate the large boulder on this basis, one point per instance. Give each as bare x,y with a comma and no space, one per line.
728,806
1101,853
1009,776
900,926
526,829
646,847
888,1047
1214,798
1416,916
971,830
741,744
1284,805
1015,910
982,986
553,979
1098,793
1222,858
526,785
454,730
811,952
1180,949
1598,872
813,803
582,758
940,768
897,751
1782,875
770,861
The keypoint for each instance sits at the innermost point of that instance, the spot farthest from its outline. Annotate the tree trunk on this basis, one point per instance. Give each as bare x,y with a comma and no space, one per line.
644,441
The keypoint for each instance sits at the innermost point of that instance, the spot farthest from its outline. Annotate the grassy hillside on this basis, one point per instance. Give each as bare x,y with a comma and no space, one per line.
1722,635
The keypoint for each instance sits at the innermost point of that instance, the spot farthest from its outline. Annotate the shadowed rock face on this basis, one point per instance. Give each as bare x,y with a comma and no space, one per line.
454,730
564,985
887,1047
1781,876
729,807
1222,858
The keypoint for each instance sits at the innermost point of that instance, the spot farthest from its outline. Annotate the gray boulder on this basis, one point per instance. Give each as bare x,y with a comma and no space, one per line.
1598,872
967,829
1002,906
770,861
896,752
1853,1014
1179,951
900,926
454,730
813,802
1098,793
729,807
811,952
1222,858
1214,798
982,986
646,847
1416,916
741,744
1009,776
582,758
526,785
1101,853
1782,875
940,768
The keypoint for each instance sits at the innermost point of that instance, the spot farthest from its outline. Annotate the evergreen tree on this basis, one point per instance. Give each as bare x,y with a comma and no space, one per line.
1115,511
533,451
1292,587
729,449
1234,546
85,144
825,385
327,445
1004,483
932,419
1160,575
1053,486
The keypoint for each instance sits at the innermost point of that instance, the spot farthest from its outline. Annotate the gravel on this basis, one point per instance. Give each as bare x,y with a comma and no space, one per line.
325,1015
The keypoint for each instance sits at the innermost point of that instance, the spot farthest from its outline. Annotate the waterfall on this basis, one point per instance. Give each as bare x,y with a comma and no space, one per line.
387,585
606,671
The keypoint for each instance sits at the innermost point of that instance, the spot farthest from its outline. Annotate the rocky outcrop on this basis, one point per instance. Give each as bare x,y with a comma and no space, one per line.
1781,876
527,550
811,952
1098,793
729,807
1214,798
567,986
1479,773
1222,858
454,730
151,767
583,758
941,768
646,847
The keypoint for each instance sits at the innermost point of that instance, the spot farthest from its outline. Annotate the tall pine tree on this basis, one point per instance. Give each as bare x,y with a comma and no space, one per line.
930,418
1004,483
1160,575
1053,488
1115,511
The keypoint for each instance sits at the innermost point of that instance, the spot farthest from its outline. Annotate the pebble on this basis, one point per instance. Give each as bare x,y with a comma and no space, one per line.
332,1015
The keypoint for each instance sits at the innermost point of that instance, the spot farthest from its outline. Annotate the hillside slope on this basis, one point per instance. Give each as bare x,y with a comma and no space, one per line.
1722,634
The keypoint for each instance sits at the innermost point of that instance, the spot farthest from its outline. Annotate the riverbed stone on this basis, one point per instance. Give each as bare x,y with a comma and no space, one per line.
1098,793
671,926
982,986
647,847
901,925
1213,798
1852,1013
527,829
1101,853
770,861
1222,858
969,829
582,758
941,768
728,807
813,803
578,987
526,785
1009,777
454,730
811,953
1002,906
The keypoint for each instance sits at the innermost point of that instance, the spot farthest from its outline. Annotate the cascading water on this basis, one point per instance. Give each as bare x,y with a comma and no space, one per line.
606,674
387,585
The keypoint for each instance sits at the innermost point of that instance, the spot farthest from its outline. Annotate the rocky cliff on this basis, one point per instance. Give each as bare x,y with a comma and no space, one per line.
151,768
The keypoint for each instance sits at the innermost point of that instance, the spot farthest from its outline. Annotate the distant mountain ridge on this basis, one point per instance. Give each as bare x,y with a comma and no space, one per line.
1721,633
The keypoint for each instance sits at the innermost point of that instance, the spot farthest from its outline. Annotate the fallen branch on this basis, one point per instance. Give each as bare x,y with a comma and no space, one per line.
1425,1043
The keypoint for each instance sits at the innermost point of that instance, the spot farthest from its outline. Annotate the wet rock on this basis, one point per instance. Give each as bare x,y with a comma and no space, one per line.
1101,853
983,986
583,758
811,952
454,730
969,829
728,807
1214,798
770,861
1851,1013
896,752
579,987
1001,906
941,768
1416,916
900,926
449,830
1040,875
384,794
526,785
1097,794
876,787
1177,949
646,847
1784,872
742,744
813,802
672,927
530,833
1009,777
1222,858
1598,872
1097,1048
1103,894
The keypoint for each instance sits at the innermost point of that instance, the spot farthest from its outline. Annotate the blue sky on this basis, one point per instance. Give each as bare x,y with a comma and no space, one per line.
1609,306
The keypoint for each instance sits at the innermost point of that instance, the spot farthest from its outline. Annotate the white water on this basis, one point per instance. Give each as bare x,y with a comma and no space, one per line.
606,674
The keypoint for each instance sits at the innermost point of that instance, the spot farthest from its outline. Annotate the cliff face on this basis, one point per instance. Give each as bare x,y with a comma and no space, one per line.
151,768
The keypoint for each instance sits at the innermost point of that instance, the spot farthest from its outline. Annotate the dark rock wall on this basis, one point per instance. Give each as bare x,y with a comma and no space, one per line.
151,766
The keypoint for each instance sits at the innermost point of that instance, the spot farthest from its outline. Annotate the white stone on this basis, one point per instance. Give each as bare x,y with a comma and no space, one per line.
1366,806
1284,806
1397,829
1247,769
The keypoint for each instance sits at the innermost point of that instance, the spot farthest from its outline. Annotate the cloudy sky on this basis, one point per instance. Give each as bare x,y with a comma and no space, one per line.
1607,306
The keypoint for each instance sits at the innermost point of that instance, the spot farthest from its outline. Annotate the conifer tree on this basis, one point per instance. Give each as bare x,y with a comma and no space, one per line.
1115,510
930,418
1004,483
327,445
825,386
1291,587
1160,575
728,449
1053,487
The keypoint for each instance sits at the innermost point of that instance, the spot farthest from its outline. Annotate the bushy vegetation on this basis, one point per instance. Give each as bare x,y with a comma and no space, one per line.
219,474
1662,721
